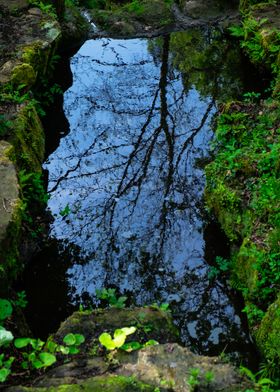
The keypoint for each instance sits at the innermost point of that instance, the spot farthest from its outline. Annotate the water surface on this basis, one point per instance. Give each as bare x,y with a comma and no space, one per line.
126,184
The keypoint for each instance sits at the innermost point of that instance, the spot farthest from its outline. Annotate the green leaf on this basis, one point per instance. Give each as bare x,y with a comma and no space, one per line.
128,330
22,342
73,350
119,337
47,358
63,350
37,344
6,309
131,346
106,340
69,339
151,342
37,364
5,336
4,374
265,381
79,339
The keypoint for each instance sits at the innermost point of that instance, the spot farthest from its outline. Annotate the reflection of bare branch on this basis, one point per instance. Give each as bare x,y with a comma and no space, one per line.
194,132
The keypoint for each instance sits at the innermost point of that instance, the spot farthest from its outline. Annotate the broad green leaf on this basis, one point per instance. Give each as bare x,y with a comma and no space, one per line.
119,337
131,346
5,337
79,339
37,344
69,339
63,350
106,340
73,350
6,309
128,331
22,342
51,346
151,342
47,358
24,365
37,364
4,374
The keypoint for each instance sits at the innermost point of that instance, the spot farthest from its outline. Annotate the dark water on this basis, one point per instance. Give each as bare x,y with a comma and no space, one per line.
126,185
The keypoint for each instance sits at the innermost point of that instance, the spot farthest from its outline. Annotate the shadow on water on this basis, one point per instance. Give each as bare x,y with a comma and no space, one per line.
126,190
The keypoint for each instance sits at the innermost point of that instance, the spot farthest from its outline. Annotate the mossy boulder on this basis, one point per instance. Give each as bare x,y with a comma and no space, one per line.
268,338
161,367
23,74
150,323
108,383
28,138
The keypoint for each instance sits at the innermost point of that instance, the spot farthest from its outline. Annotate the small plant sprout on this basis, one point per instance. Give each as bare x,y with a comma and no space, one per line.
119,339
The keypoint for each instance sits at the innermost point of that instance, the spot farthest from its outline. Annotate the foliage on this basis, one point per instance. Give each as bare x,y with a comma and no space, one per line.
45,6
38,354
110,296
119,340
222,266
261,44
5,125
6,309
262,384
197,378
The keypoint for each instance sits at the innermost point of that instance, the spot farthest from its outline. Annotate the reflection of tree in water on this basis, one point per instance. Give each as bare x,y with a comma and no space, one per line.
207,61
128,172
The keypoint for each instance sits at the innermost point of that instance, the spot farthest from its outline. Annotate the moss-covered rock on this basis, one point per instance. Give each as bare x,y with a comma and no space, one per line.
28,139
108,383
268,338
23,74
150,323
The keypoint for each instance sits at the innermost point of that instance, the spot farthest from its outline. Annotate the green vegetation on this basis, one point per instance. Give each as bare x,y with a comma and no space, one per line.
243,190
197,379
37,354
110,296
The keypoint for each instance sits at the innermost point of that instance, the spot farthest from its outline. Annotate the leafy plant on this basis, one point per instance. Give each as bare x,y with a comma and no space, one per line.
5,367
5,336
118,340
5,125
44,7
263,384
73,341
6,309
110,296
43,354
21,300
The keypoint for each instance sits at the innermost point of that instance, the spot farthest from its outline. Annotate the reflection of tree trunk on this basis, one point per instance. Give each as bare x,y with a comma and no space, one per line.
164,111
169,134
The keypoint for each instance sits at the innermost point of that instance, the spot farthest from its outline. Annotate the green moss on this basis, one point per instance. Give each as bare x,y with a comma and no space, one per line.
245,267
23,74
29,139
109,383
268,338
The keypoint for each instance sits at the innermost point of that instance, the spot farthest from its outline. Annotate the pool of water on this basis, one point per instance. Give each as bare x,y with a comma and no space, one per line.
126,185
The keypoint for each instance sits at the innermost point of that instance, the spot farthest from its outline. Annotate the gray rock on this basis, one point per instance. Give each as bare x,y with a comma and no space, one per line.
9,193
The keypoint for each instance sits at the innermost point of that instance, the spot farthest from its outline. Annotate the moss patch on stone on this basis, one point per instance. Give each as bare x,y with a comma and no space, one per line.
23,74
150,323
28,139
268,338
108,383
